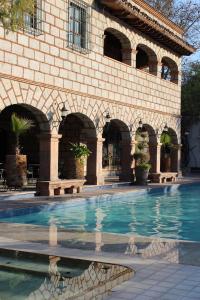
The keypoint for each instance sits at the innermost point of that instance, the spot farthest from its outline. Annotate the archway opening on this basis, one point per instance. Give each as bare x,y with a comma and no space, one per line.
29,141
169,151
146,59
117,46
116,158
77,128
169,70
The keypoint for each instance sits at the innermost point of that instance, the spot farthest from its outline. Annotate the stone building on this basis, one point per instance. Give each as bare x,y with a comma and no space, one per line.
117,61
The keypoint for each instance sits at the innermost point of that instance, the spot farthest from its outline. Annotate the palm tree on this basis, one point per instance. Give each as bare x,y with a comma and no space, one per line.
16,163
19,127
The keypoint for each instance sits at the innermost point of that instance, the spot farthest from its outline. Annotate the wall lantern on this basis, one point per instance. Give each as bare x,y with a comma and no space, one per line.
165,129
107,117
64,112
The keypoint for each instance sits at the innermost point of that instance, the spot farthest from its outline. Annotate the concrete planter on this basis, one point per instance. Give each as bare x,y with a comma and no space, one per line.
79,169
16,170
74,169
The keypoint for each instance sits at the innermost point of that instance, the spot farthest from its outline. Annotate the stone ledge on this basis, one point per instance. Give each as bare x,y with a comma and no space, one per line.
59,187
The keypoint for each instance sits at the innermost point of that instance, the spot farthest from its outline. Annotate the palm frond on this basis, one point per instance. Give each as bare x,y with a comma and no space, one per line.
20,125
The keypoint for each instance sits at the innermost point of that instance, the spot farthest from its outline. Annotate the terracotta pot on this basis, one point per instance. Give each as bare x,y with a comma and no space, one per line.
141,176
73,169
79,169
16,170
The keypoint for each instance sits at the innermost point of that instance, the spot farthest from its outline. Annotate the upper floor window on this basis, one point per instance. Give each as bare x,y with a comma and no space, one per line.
117,46
169,70
146,59
33,22
78,25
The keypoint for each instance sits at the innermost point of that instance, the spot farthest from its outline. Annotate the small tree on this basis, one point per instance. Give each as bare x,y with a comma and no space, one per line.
142,157
12,13
19,127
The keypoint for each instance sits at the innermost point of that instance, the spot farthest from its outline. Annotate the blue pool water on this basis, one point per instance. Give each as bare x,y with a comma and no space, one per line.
171,212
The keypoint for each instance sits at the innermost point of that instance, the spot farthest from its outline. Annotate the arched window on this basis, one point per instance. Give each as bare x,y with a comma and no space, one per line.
112,46
169,70
117,46
146,59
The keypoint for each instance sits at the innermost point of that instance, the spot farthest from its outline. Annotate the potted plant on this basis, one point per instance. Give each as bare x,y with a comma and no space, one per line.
80,153
142,157
166,151
16,163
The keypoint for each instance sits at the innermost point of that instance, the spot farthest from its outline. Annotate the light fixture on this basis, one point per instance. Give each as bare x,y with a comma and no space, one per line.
107,117
140,124
64,112
165,129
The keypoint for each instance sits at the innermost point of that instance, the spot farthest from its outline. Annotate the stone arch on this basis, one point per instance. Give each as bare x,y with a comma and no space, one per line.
30,142
116,150
77,128
169,70
146,59
117,45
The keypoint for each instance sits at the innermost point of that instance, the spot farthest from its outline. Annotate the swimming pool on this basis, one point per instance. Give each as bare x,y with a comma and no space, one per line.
170,212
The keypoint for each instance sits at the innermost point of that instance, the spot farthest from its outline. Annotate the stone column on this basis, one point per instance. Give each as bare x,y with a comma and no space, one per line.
179,160
154,150
159,68
49,157
94,162
157,158
133,58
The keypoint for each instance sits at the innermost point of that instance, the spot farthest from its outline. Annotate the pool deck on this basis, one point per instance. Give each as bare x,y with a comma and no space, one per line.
165,269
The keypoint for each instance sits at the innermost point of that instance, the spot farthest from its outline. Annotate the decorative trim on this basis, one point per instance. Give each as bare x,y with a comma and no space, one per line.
115,102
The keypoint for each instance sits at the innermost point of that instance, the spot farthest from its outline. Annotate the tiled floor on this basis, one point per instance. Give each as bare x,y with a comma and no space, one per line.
153,279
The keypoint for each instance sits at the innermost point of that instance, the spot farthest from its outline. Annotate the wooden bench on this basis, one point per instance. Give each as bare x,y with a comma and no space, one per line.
59,187
163,177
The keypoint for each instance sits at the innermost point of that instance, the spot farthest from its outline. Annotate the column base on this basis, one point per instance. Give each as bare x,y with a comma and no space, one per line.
95,180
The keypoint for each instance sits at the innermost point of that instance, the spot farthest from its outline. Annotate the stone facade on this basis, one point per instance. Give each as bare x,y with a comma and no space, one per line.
41,72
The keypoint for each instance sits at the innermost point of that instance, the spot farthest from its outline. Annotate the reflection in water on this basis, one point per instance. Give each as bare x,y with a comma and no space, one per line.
98,230
172,212
41,277
53,233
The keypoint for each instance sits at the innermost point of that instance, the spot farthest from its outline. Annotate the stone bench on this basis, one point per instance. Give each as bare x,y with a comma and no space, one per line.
59,187
163,177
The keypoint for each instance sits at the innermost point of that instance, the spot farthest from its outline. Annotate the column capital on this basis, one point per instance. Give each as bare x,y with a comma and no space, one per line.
47,135
159,144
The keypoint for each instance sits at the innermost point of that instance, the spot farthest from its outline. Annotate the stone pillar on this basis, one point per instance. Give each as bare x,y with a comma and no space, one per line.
49,157
94,162
154,150
179,160
159,68
48,164
157,158
126,161
133,58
